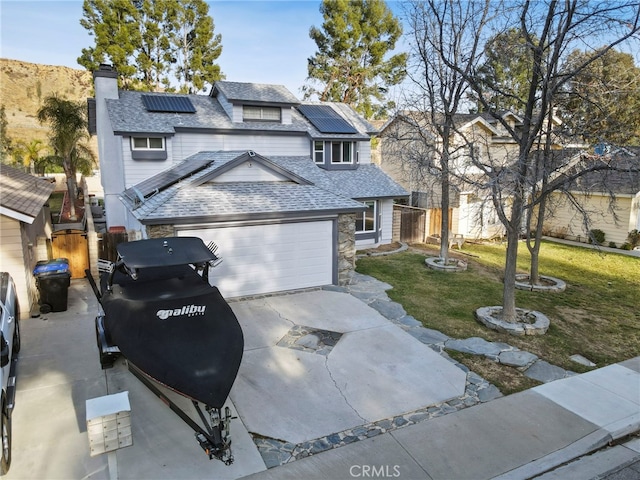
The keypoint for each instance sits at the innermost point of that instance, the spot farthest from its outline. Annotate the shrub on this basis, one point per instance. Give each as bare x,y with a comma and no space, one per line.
596,236
626,246
634,238
612,245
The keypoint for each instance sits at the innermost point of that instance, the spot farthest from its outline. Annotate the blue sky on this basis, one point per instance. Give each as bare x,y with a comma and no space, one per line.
264,41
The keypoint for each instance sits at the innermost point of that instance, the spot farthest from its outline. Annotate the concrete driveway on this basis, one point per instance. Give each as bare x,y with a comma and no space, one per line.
316,363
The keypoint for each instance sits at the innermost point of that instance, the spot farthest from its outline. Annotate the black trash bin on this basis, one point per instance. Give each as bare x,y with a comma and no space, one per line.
53,279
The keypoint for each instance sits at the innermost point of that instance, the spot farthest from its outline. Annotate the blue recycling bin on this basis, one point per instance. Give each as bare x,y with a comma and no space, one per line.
53,278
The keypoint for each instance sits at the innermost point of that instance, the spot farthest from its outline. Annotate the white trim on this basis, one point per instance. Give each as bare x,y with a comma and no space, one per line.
148,148
16,215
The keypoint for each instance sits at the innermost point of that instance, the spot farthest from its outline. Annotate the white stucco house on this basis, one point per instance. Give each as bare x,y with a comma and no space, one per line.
25,226
286,189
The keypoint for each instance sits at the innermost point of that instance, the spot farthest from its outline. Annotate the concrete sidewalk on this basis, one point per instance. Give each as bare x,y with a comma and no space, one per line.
519,436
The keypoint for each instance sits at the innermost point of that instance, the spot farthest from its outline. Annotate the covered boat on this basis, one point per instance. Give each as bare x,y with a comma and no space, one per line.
161,313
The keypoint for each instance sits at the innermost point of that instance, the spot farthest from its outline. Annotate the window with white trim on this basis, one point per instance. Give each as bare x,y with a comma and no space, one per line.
366,221
147,143
342,152
318,152
252,113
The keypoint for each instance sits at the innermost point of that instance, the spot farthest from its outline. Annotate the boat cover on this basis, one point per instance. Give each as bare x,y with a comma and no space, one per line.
174,326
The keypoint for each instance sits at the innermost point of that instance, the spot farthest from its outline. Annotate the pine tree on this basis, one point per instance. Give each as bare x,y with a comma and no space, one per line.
351,64
153,44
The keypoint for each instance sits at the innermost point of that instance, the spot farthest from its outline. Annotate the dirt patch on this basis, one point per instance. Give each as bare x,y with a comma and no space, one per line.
577,316
389,247
507,379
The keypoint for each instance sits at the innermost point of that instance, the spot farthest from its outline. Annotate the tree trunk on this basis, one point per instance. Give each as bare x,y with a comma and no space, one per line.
534,250
444,200
72,190
511,261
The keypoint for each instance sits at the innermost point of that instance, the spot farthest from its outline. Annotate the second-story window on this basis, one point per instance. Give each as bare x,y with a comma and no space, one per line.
147,143
260,114
318,152
341,152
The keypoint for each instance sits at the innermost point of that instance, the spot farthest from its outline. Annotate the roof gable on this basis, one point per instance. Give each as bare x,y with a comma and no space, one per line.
23,195
266,171
254,93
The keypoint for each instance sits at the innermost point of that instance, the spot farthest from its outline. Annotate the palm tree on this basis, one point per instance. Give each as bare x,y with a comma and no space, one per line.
68,127
29,154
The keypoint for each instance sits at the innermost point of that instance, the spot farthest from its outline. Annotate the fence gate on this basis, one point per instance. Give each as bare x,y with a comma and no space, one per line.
412,223
73,245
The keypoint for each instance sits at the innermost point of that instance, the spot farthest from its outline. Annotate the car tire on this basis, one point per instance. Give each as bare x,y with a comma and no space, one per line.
5,429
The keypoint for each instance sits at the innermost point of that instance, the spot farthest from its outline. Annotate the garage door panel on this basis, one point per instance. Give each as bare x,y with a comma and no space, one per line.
269,258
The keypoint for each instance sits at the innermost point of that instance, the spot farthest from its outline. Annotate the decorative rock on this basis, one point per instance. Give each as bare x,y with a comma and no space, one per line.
474,345
582,361
517,358
490,392
545,372
309,341
437,263
427,335
399,421
539,323
390,310
275,458
409,321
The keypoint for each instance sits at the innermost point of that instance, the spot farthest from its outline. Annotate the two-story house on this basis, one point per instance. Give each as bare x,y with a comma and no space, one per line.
286,189
409,152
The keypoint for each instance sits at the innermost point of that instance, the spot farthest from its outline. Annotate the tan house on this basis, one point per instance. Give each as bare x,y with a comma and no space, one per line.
609,201
25,225
409,150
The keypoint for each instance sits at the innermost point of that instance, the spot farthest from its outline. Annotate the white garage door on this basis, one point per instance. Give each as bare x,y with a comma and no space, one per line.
270,258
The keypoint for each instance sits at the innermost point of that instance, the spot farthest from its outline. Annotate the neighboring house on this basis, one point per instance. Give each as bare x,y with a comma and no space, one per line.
610,199
25,226
409,152
285,189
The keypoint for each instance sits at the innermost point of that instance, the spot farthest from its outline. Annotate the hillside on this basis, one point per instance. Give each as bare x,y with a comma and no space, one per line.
23,88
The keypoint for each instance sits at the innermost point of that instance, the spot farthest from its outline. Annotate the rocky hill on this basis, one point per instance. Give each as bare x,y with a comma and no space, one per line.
23,88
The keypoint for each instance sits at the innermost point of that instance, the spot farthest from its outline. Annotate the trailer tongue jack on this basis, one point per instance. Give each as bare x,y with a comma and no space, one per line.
214,439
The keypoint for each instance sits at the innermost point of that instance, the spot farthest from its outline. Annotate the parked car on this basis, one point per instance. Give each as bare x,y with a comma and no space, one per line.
9,348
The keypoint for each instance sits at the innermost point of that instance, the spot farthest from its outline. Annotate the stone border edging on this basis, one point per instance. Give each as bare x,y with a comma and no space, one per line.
435,263
540,325
523,284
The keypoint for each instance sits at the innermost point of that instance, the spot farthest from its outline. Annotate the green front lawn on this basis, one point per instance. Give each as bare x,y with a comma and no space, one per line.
598,316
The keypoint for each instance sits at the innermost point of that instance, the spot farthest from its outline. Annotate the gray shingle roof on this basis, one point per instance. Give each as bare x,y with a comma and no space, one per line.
23,193
366,181
128,115
330,191
255,93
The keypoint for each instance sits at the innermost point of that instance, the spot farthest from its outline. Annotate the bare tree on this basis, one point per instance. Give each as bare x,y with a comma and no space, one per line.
441,33
518,181
551,29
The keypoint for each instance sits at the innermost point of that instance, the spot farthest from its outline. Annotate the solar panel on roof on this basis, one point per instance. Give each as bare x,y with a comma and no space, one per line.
167,178
326,119
168,103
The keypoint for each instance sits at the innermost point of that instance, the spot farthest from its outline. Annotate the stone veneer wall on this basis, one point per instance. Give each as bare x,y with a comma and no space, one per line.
160,231
346,248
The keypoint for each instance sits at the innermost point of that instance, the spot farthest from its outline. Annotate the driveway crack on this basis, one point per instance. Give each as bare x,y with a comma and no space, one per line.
344,397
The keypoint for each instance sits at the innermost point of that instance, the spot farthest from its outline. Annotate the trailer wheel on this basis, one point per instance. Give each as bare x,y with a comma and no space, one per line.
5,427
